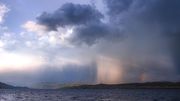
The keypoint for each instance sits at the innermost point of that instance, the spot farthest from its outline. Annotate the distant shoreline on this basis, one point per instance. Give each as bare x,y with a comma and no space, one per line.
146,85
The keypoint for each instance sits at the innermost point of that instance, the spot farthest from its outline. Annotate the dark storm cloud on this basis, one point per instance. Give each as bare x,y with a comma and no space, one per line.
117,6
146,19
166,13
93,33
90,34
87,20
70,14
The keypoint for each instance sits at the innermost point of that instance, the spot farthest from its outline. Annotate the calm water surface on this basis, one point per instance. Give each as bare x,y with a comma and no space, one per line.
91,95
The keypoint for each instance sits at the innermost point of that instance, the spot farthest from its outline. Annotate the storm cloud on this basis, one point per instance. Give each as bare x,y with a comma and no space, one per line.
87,21
143,32
70,14
153,27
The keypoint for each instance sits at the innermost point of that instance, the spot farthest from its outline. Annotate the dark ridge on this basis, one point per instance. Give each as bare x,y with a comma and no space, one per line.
6,86
146,85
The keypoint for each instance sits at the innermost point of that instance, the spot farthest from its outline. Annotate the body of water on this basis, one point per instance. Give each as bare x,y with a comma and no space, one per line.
91,95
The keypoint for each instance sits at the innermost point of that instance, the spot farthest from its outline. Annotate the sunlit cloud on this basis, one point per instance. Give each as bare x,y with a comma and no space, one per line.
17,62
32,26
53,38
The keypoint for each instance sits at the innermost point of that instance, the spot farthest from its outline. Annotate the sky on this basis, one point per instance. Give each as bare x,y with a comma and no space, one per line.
89,41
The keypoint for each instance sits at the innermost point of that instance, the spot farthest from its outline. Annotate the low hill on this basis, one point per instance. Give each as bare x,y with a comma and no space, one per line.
5,86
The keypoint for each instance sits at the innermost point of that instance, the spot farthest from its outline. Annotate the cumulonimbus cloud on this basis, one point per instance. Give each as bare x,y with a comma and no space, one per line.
87,21
70,14
139,20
